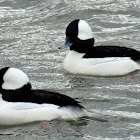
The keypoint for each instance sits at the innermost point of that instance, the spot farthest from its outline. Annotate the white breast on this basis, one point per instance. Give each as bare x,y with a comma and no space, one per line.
109,66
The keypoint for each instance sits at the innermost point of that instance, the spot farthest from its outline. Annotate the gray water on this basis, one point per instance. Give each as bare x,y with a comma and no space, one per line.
31,32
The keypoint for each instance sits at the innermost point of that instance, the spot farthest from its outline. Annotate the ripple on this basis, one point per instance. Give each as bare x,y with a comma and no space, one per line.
30,33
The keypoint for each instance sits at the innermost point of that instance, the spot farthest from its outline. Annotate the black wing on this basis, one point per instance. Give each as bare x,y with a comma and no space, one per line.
25,94
112,51
43,96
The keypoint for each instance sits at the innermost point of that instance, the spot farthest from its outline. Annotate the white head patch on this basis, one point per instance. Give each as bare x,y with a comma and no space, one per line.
84,30
14,79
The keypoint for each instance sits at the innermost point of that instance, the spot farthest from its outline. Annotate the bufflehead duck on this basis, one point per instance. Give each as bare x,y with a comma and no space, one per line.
20,104
85,59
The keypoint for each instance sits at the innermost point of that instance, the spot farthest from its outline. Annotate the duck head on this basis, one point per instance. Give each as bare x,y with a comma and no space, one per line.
79,36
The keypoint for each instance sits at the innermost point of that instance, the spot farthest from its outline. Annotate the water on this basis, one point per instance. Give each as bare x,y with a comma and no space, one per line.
31,32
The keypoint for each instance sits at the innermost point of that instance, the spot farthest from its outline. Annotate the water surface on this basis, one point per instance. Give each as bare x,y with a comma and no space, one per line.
31,32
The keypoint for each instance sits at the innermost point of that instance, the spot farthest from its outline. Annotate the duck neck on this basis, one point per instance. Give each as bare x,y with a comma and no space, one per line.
82,46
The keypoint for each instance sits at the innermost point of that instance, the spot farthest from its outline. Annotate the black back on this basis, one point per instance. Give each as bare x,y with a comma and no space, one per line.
112,51
25,94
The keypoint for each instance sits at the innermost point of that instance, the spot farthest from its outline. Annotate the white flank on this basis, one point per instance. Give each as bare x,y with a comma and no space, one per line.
109,66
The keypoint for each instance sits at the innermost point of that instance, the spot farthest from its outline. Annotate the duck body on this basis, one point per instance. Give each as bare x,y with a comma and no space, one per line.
14,113
87,59
20,104
105,63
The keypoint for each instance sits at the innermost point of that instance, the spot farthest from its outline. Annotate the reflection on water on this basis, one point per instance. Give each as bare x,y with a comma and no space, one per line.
31,32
